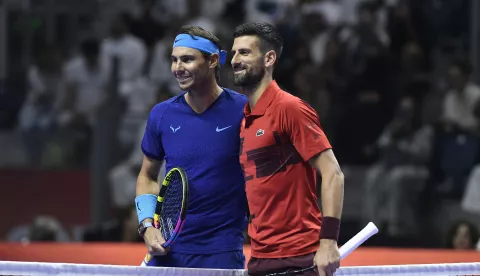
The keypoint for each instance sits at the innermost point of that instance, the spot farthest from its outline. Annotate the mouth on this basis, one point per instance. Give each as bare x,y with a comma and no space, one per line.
238,68
184,79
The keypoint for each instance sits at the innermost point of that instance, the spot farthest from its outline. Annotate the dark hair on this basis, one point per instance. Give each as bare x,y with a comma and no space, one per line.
463,65
472,231
201,32
90,47
270,38
125,18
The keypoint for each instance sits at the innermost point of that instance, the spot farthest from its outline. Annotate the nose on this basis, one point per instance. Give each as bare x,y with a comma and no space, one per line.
234,60
177,66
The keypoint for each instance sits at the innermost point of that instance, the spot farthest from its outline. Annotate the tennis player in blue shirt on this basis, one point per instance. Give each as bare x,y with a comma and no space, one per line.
199,132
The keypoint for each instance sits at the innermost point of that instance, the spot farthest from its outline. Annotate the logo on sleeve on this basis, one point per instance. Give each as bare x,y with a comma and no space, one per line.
174,129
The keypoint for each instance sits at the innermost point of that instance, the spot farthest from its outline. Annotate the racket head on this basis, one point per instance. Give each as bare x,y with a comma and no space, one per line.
172,205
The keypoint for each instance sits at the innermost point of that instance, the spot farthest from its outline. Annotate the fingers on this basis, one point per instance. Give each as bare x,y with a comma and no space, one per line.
321,271
329,269
154,242
157,250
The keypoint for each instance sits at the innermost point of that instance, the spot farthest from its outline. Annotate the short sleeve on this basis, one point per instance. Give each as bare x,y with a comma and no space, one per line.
303,127
152,141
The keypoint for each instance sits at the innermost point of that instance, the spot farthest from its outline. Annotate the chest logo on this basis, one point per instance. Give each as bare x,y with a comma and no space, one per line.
260,132
222,129
174,129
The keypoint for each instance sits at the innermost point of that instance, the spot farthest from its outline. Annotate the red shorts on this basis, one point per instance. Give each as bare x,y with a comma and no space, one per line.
261,267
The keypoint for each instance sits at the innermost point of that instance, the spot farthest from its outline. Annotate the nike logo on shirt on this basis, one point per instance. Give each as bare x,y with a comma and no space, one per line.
222,129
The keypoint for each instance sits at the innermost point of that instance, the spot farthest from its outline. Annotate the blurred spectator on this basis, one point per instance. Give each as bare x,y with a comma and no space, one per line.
393,183
136,92
85,85
400,27
471,195
463,235
145,26
460,101
160,73
457,144
43,228
366,97
124,175
317,30
37,116
270,11
122,229
121,44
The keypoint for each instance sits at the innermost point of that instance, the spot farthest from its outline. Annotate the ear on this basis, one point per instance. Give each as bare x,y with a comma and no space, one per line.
270,58
213,61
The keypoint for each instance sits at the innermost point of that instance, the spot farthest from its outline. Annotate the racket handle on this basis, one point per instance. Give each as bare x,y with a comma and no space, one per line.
358,239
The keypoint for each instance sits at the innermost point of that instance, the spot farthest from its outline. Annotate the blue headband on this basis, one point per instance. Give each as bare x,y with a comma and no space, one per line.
201,44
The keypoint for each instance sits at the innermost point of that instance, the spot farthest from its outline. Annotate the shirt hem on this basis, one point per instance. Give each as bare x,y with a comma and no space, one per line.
278,256
206,252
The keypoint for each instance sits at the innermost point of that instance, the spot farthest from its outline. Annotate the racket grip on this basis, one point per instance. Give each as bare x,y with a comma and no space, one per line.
358,239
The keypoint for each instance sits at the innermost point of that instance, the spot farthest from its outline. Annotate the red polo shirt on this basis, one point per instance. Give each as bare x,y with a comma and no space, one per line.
278,138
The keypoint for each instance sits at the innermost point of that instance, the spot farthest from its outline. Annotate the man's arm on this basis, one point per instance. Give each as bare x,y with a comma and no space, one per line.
327,258
147,178
308,138
146,201
332,183
147,187
312,144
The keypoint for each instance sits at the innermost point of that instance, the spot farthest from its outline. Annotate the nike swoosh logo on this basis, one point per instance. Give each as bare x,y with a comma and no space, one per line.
222,129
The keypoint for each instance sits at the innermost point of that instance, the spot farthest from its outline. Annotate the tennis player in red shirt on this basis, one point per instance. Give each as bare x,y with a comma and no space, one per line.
282,144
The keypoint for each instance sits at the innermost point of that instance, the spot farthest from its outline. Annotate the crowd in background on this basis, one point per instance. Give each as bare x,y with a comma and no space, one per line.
390,79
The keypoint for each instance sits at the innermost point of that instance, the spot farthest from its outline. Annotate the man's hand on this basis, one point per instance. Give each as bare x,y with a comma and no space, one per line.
154,240
327,258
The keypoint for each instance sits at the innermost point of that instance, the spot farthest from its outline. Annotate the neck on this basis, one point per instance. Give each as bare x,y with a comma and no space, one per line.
255,92
201,98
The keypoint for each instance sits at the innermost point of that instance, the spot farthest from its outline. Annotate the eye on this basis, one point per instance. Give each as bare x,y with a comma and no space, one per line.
187,59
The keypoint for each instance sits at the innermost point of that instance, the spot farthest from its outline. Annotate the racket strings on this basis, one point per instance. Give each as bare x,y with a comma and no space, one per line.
171,205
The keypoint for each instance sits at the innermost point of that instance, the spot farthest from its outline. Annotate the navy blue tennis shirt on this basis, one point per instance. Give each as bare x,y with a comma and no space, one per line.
207,147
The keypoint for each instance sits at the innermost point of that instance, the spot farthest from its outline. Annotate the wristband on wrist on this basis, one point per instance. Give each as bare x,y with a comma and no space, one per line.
145,205
330,228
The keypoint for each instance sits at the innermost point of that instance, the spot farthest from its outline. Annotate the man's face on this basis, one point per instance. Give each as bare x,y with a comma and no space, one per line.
461,240
457,78
117,26
247,61
189,67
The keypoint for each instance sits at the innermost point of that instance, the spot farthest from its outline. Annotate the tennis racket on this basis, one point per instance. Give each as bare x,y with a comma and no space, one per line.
172,205
346,249
171,208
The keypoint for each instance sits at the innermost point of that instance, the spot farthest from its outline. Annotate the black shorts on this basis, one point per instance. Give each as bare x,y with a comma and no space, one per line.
262,267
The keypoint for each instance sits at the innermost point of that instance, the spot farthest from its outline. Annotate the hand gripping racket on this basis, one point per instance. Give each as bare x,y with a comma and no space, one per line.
172,205
346,249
